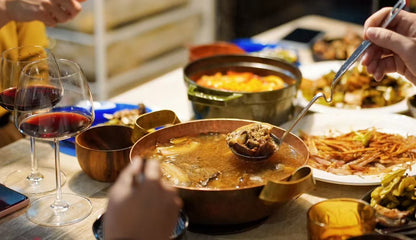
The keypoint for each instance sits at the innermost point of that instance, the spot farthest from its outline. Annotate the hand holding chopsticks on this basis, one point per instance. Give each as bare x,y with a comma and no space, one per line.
393,48
140,205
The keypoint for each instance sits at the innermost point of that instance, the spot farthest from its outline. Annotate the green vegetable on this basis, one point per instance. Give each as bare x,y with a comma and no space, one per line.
397,190
364,138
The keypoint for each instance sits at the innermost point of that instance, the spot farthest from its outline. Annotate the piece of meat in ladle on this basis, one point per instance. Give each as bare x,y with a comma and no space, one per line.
252,140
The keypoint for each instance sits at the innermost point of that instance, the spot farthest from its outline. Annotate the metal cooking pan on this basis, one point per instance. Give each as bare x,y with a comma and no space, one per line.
275,107
225,206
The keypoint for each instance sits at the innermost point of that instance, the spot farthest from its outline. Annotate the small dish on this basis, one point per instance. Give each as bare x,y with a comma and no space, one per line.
177,234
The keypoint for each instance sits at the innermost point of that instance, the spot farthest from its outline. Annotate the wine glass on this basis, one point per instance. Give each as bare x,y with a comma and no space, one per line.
53,102
36,179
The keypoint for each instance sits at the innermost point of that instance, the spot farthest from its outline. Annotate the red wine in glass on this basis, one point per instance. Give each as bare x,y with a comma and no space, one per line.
7,98
53,102
54,124
35,94
36,179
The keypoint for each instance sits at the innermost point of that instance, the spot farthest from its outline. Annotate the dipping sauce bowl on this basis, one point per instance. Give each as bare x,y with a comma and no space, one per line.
103,151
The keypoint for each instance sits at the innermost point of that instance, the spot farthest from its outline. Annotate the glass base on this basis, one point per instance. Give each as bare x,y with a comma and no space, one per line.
71,209
22,181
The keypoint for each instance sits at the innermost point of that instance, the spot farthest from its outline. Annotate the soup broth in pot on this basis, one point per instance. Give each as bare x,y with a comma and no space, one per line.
205,161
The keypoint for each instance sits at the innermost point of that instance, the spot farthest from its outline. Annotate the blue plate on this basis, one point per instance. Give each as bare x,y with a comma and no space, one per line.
99,112
250,46
67,146
267,49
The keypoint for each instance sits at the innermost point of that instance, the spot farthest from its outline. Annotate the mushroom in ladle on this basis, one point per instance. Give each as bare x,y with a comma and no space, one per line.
253,141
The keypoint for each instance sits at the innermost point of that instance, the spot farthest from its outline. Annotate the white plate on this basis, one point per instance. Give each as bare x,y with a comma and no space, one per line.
316,70
324,124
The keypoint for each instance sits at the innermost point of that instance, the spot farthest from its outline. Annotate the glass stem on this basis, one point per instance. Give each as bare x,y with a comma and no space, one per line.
34,163
35,176
59,205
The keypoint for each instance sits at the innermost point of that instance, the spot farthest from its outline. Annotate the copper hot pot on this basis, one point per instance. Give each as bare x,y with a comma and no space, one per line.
230,206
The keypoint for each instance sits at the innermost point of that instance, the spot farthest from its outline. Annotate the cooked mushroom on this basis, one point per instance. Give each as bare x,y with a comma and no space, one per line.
253,140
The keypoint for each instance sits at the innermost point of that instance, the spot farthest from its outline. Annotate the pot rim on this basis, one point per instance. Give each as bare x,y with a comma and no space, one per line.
296,74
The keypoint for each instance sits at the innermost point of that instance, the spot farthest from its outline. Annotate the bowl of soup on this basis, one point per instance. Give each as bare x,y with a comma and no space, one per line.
217,187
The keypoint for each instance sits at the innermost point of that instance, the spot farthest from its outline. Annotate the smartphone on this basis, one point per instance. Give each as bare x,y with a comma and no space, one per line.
11,200
302,36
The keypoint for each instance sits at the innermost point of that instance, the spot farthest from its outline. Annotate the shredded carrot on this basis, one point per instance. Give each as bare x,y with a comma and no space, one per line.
347,155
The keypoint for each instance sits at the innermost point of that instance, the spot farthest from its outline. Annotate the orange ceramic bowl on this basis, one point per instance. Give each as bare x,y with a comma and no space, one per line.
217,48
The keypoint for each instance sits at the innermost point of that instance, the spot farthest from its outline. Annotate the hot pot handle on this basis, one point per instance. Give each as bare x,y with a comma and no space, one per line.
149,122
299,182
221,99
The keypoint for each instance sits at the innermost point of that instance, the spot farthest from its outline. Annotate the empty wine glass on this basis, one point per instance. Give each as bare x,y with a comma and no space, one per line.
33,180
53,102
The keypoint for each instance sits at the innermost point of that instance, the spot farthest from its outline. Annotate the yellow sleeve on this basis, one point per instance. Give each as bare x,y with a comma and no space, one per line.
8,36
32,33
2,111
15,34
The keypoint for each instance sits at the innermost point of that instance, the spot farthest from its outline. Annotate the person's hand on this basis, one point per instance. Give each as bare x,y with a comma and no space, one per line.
394,48
146,209
49,12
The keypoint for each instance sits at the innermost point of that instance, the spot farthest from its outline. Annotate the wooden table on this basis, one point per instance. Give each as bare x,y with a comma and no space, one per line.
288,222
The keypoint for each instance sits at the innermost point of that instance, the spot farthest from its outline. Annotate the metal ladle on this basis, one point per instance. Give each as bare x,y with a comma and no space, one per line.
344,68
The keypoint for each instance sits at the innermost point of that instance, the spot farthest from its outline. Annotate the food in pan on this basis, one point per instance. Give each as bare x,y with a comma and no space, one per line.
252,140
357,89
336,49
205,161
126,116
395,199
362,152
241,82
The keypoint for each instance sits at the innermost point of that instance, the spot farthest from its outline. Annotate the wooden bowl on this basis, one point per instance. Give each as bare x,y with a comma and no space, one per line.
103,151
